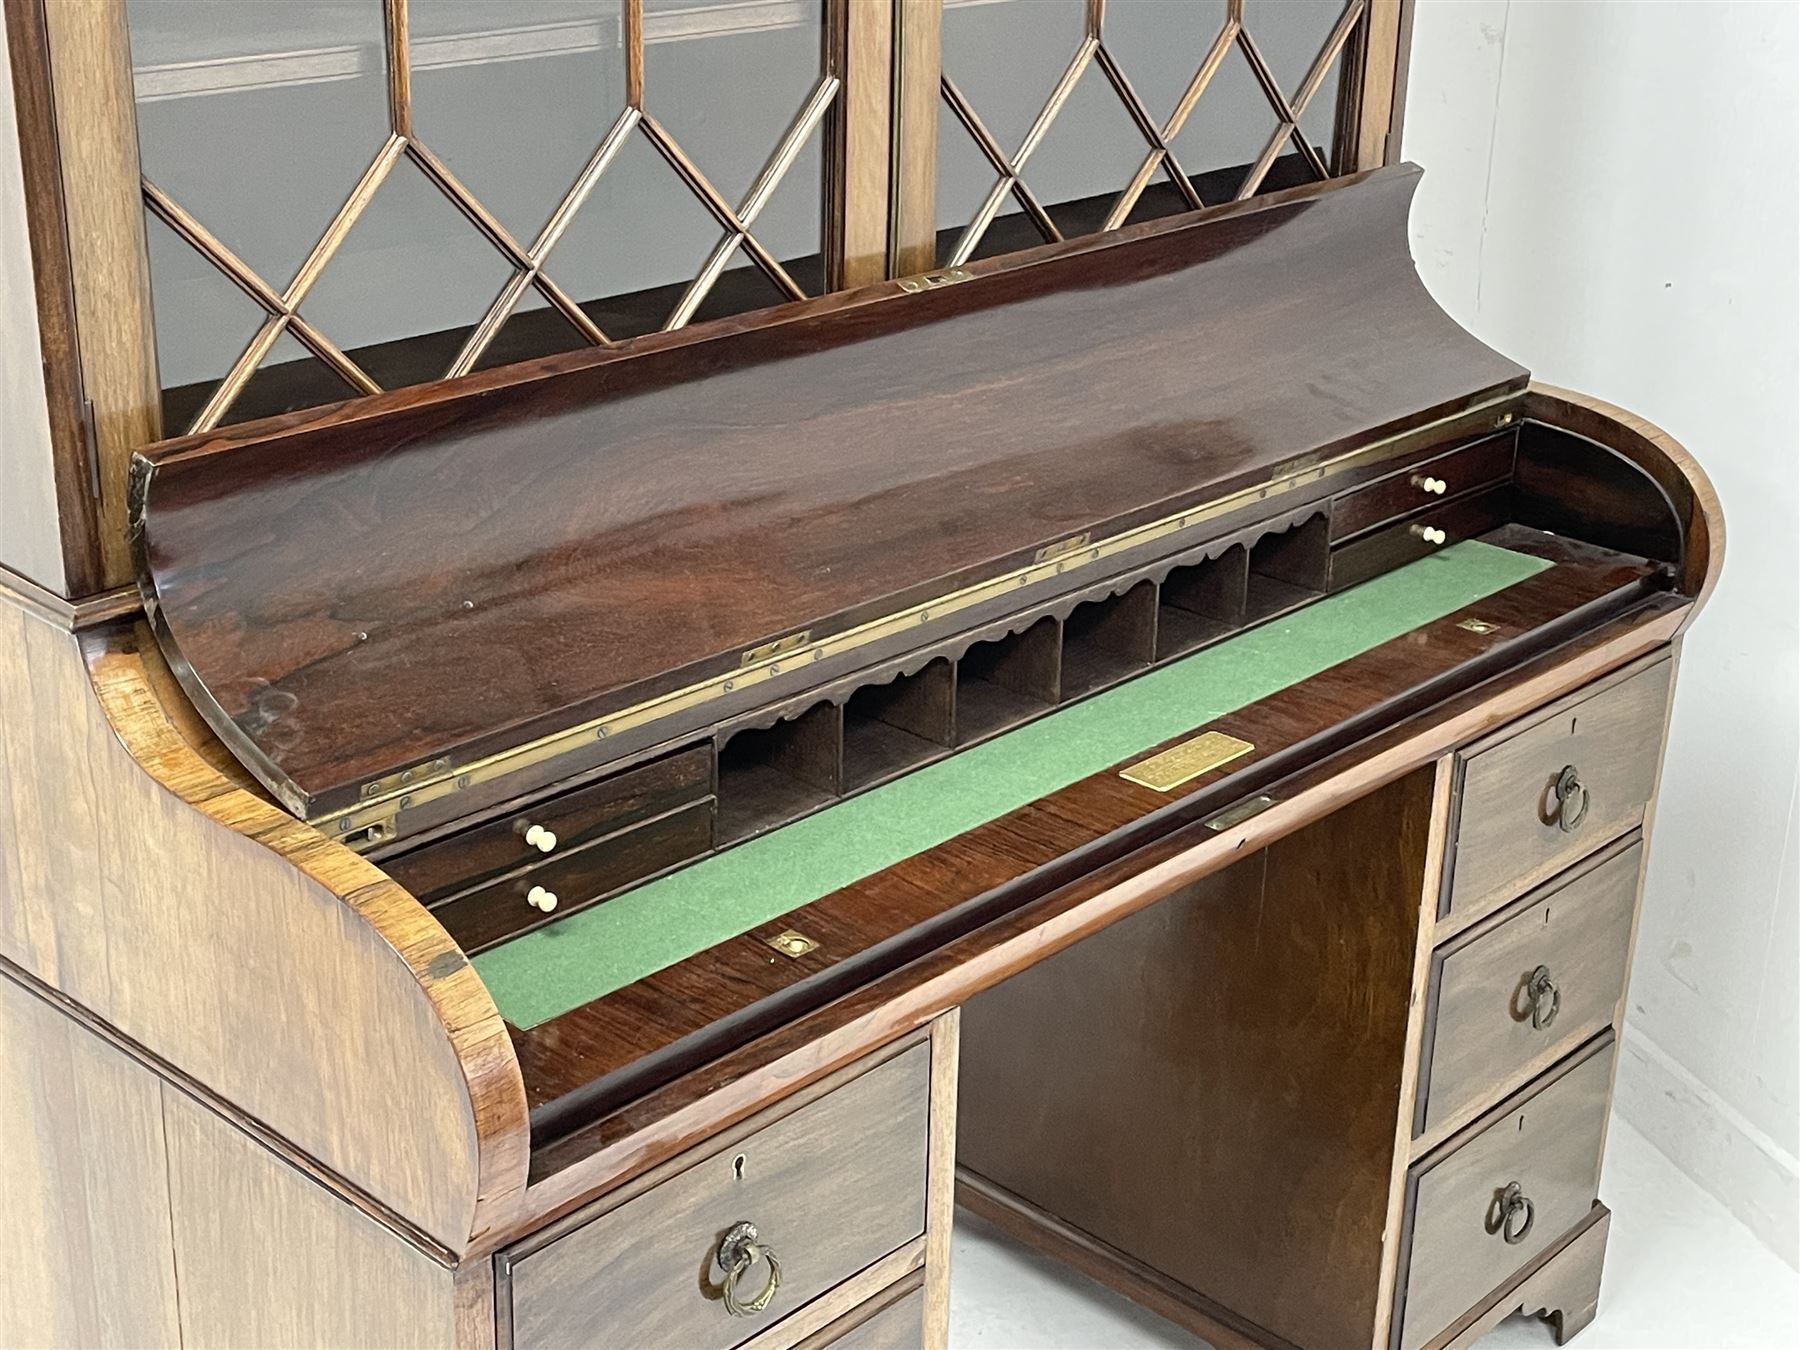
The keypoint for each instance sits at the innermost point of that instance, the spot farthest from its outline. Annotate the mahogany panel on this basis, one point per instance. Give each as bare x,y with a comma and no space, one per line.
1229,1064
441,571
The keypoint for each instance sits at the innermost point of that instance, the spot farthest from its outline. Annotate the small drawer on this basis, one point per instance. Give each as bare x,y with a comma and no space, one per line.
1420,535
1420,485
830,1188
570,881
1533,800
1480,1211
564,823
1518,993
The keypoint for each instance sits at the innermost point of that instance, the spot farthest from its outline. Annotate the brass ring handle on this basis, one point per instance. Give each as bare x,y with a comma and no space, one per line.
1513,1202
738,1251
1571,800
1546,998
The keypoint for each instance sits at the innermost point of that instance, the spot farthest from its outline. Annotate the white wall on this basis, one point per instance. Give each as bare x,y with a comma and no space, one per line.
1611,199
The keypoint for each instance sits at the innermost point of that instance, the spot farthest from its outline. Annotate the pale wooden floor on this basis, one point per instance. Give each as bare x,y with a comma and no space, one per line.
1681,1274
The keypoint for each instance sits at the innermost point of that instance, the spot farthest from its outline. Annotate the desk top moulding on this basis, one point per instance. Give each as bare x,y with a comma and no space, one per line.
826,637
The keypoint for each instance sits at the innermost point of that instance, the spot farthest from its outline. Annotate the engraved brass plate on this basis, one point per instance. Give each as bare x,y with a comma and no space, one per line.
1190,759
1477,626
792,944
793,642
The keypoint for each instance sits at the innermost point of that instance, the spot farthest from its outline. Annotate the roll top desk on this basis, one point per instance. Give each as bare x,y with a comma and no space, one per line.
1152,738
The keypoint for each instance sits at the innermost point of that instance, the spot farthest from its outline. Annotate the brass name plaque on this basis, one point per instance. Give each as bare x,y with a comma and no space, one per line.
1190,759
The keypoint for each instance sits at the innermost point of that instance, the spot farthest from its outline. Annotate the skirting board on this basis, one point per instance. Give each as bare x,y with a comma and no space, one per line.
1749,1173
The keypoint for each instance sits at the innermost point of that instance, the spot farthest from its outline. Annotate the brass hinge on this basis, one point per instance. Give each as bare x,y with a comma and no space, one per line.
1063,547
419,773
90,447
779,647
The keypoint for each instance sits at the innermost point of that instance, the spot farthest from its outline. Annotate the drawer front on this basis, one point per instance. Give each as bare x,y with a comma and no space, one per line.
572,881
831,1189
577,817
1522,994
1549,1149
1514,832
1412,539
1460,471
898,1326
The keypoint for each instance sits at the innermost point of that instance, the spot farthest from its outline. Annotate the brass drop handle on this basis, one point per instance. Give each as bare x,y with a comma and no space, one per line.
739,1250
1546,998
1571,800
1513,1204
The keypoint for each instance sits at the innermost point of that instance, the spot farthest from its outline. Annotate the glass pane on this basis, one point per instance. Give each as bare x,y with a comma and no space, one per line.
728,80
1006,57
258,120
1290,35
203,323
635,244
1161,45
290,377
412,277
1227,130
514,97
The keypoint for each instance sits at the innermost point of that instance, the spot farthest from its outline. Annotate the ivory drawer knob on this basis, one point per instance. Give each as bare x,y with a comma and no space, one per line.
536,836
1425,483
540,898
1430,534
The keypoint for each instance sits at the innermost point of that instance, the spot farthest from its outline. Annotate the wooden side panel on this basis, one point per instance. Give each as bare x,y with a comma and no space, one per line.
1212,1086
1381,95
866,30
918,38
85,1257
30,543
940,1181
276,969
91,54
269,1258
